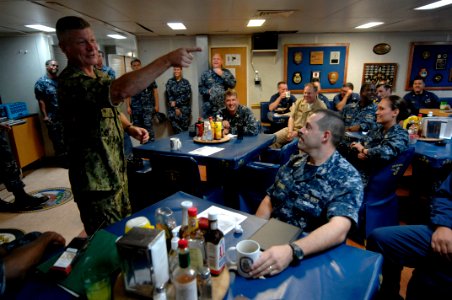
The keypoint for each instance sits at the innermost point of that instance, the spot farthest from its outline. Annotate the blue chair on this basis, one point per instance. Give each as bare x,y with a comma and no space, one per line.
265,122
280,156
380,206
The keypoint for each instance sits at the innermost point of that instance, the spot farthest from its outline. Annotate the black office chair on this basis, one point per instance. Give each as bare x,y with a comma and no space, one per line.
171,173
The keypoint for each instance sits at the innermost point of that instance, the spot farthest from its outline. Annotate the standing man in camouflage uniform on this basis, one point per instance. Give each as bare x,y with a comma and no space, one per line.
234,115
178,92
94,126
144,105
46,94
10,176
214,82
318,191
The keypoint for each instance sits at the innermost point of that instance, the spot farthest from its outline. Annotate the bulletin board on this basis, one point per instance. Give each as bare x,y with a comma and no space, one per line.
433,61
325,62
380,73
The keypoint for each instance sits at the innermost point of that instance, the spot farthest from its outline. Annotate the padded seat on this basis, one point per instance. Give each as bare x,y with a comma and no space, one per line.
380,205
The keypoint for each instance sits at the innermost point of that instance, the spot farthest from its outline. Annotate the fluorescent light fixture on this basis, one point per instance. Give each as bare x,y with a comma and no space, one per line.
255,22
41,27
369,25
177,26
434,5
116,36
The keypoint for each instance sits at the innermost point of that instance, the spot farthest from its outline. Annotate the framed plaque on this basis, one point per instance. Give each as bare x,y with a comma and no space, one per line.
431,61
377,73
325,62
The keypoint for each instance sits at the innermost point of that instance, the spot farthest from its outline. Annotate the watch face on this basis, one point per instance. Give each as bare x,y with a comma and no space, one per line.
297,252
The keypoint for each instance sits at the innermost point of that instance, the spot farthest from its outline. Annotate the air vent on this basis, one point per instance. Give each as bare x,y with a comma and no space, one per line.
274,13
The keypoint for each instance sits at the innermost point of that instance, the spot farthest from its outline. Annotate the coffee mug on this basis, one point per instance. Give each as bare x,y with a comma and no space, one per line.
288,94
175,143
246,253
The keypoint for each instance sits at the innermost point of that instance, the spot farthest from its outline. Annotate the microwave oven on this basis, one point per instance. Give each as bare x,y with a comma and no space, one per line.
437,127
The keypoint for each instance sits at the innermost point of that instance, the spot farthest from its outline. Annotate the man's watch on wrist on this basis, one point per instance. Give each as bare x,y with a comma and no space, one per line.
297,254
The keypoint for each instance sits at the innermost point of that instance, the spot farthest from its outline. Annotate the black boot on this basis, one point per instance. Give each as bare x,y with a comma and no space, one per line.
25,201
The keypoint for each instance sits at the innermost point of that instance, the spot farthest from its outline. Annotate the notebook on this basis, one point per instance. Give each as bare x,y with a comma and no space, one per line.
275,232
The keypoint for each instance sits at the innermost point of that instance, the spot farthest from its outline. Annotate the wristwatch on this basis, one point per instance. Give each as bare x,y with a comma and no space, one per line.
297,254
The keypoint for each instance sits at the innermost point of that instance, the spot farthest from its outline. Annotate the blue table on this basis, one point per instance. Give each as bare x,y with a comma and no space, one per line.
343,272
223,166
433,155
236,153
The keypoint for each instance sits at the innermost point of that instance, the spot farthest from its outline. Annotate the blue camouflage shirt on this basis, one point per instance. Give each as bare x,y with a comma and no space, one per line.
354,114
212,88
180,92
383,146
354,98
109,71
46,89
243,116
308,196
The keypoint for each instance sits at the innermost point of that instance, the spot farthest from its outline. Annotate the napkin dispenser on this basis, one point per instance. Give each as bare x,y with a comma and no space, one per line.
144,260
437,127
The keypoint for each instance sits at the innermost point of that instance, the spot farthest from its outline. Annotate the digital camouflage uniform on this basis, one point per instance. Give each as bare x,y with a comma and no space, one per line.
213,101
46,89
94,135
353,114
425,100
354,98
9,171
143,109
109,71
381,148
243,116
308,196
179,91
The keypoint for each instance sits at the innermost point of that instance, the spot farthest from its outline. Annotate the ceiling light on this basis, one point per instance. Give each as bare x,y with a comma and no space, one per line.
369,25
177,26
41,28
434,5
255,22
116,36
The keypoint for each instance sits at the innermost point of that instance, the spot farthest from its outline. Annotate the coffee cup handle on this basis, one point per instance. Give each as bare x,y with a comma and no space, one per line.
233,248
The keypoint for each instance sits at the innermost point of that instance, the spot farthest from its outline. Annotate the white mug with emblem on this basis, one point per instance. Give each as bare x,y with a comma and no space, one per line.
246,253
175,143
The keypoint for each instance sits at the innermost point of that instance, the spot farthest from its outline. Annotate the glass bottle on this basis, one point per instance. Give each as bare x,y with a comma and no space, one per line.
185,205
173,259
215,246
195,240
159,293
219,128
184,277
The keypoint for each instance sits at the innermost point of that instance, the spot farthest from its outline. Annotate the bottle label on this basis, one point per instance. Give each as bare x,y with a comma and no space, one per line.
216,256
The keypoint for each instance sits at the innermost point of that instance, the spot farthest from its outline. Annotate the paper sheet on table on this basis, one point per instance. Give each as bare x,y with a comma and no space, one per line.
206,150
226,219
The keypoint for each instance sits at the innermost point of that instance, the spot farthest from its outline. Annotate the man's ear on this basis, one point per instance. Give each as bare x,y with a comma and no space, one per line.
326,136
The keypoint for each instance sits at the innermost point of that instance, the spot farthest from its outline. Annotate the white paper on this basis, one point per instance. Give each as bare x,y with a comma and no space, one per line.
206,150
226,219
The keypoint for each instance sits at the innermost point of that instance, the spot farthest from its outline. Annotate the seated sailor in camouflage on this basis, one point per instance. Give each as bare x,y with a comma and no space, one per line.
387,141
212,86
144,104
360,116
178,93
318,191
94,126
234,115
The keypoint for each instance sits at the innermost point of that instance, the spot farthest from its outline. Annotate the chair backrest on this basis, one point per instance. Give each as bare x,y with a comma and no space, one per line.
264,112
288,150
380,205
173,173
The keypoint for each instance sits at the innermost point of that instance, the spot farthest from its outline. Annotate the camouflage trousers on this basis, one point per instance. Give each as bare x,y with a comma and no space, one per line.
179,123
55,131
9,171
98,209
142,117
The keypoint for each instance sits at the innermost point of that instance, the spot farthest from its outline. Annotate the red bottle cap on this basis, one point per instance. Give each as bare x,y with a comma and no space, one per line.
192,212
183,243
